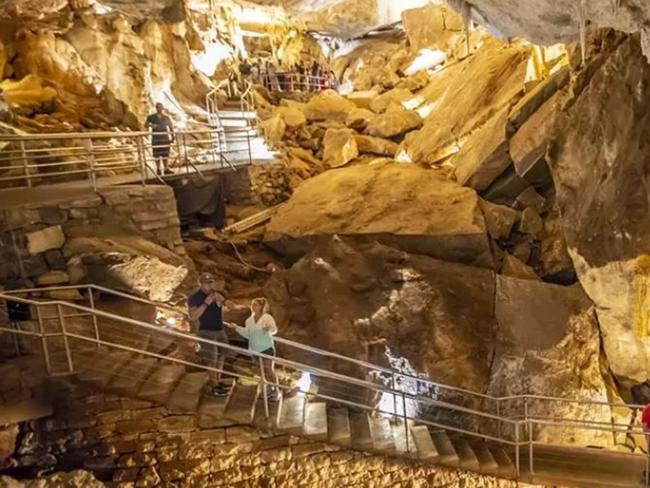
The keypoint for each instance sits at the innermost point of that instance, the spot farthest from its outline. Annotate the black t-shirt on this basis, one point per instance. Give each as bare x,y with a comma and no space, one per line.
212,318
160,123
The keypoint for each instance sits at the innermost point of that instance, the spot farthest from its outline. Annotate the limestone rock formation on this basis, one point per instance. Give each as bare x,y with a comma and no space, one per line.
328,105
436,314
413,208
549,344
375,145
73,479
393,123
465,95
339,147
604,205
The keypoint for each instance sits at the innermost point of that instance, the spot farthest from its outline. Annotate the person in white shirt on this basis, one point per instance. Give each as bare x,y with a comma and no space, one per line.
259,330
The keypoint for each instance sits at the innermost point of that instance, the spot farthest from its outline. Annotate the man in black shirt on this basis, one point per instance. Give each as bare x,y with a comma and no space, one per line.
206,310
161,136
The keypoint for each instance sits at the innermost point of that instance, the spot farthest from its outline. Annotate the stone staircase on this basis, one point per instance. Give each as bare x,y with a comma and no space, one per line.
183,390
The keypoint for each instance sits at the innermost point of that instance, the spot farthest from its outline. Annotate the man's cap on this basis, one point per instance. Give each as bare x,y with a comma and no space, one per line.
206,278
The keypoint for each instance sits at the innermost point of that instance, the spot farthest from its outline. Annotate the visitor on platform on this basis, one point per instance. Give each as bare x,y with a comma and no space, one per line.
206,314
244,69
259,330
162,136
316,74
255,72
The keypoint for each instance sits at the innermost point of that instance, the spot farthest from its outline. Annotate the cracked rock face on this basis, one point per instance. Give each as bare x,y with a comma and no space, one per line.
604,202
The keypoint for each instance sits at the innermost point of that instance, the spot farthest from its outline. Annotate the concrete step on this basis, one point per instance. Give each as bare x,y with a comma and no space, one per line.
241,403
447,455
338,426
315,425
382,434
425,449
211,412
24,410
160,384
399,436
360,434
506,466
466,455
236,113
99,367
485,458
291,416
128,380
227,122
185,397
260,419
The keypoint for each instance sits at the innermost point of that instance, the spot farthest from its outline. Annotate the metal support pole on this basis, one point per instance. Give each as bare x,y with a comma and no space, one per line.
526,411
94,316
41,329
248,140
23,155
142,159
499,415
264,390
392,387
530,448
406,424
88,144
68,353
517,448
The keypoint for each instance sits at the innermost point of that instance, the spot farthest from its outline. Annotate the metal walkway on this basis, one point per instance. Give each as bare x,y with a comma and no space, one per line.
371,408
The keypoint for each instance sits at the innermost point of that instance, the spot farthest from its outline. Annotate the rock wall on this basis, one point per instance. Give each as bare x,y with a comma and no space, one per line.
126,442
63,240
600,171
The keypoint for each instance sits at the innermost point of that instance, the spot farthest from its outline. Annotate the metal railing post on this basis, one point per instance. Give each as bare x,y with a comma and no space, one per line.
64,334
41,329
530,448
517,448
142,158
499,415
392,387
88,144
406,424
23,156
248,141
94,316
264,390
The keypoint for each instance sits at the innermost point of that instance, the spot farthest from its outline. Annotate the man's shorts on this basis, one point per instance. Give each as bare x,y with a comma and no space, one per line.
209,353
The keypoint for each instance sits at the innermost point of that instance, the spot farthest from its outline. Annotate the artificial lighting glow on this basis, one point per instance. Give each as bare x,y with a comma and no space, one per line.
207,61
293,34
426,59
254,16
304,383
103,9
171,322
402,156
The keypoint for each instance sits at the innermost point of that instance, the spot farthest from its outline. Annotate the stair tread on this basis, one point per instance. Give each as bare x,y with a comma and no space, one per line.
241,402
382,434
100,366
338,426
424,445
185,397
485,458
158,387
315,424
446,452
506,467
466,455
291,414
129,379
360,433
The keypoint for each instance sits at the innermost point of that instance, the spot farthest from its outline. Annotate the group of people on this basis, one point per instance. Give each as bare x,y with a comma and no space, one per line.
301,77
206,307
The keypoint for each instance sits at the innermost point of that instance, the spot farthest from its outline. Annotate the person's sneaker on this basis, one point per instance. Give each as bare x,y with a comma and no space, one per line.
220,390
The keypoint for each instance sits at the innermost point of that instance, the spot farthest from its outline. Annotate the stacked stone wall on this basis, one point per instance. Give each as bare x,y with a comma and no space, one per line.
129,443
34,234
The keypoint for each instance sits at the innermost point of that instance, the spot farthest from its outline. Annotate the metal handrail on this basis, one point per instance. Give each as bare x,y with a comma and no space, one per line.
37,159
8,294
290,81
528,423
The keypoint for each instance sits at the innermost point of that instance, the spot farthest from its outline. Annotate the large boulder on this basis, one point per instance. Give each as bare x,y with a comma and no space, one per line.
328,105
375,145
464,96
394,96
393,123
437,315
599,164
549,345
415,209
339,147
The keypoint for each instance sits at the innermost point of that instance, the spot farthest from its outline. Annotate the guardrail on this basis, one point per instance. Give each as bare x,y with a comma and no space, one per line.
43,159
293,82
387,392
